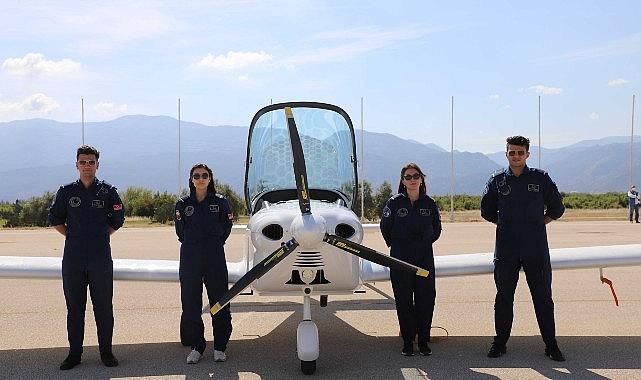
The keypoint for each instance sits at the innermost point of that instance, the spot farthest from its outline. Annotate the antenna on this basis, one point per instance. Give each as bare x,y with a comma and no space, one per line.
180,183
631,144
361,165
539,131
82,112
452,166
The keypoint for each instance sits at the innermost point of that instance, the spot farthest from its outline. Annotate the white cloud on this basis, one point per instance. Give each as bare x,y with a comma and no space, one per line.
545,90
625,46
353,43
109,110
243,77
34,105
617,82
35,64
233,60
594,116
495,97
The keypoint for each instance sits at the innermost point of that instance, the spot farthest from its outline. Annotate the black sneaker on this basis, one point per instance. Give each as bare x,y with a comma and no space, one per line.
408,350
70,362
108,359
424,349
554,353
496,350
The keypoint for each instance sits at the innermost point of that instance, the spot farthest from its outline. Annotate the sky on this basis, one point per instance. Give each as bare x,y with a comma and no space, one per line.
406,60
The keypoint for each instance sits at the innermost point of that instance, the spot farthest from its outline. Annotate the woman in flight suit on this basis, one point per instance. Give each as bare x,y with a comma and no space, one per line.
410,224
203,222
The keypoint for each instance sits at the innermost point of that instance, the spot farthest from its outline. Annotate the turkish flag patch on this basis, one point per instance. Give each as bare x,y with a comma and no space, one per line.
178,216
230,216
118,207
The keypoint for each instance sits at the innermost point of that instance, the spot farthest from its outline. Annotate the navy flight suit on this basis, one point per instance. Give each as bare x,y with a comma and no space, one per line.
518,206
409,230
202,228
88,214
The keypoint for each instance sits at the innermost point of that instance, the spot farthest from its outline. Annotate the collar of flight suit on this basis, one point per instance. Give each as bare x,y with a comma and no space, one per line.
526,169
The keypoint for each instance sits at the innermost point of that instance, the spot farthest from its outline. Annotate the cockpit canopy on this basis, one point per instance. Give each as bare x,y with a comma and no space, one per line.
327,137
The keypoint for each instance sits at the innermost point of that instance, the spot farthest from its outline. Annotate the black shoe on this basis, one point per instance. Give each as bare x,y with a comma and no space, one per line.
496,350
554,353
424,349
70,362
408,350
108,359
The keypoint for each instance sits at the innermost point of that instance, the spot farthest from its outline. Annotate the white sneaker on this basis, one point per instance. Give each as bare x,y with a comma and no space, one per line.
219,356
193,357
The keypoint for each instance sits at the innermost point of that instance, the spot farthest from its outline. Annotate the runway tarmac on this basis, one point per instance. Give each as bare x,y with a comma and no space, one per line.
358,333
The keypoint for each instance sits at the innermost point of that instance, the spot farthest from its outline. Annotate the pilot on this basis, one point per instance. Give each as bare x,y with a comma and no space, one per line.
521,201
203,221
87,212
410,224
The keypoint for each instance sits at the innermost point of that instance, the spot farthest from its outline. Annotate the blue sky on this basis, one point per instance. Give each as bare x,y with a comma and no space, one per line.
227,59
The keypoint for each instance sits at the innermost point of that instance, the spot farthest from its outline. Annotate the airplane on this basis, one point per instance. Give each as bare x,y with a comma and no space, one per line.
304,237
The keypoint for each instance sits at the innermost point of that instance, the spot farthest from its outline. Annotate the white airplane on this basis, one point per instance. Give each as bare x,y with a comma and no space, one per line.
304,238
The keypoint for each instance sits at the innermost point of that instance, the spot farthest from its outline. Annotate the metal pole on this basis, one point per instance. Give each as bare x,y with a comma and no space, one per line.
82,112
452,166
631,144
539,131
180,183
361,165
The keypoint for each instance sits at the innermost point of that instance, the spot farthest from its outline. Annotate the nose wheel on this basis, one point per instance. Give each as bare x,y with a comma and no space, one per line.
307,340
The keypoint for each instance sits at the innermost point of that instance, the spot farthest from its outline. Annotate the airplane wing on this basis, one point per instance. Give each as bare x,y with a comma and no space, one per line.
482,263
124,269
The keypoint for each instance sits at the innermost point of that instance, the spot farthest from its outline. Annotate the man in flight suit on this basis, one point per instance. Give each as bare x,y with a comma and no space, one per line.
521,201
87,212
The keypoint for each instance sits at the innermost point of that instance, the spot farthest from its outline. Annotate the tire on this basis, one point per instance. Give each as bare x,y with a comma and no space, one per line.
308,367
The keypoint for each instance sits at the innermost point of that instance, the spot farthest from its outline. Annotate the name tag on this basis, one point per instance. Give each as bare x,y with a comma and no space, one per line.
213,208
97,203
425,212
533,187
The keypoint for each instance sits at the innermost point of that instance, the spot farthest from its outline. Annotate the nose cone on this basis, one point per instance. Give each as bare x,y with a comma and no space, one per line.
308,230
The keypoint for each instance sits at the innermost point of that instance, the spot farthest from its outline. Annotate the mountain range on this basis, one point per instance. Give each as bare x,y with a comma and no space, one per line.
38,155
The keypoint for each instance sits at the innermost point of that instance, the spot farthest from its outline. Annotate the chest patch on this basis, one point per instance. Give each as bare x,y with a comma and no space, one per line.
214,208
534,187
402,212
104,190
74,201
189,210
386,212
98,203
425,212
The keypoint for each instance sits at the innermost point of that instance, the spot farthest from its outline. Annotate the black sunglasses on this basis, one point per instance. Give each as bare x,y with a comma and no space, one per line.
412,176
86,162
199,176
512,153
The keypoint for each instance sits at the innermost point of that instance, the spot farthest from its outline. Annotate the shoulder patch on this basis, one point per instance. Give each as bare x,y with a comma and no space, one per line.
220,196
537,170
498,172
395,196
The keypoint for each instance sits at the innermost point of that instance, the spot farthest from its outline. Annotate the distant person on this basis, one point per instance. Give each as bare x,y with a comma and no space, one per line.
87,212
521,201
410,224
633,201
203,222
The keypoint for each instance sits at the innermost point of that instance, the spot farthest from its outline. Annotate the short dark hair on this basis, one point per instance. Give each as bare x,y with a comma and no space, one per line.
87,149
422,189
519,141
211,188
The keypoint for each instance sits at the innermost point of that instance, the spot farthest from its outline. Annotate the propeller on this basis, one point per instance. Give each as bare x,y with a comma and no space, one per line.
255,273
300,171
308,230
374,256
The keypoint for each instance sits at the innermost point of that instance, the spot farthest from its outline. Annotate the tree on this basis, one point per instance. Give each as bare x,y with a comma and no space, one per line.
383,193
368,204
138,201
164,204
237,203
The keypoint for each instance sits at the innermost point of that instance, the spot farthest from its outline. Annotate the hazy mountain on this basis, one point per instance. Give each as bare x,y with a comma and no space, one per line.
38,155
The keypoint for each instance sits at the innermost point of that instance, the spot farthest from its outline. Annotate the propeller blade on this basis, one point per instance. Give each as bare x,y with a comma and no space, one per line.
255,273
372,255
300,171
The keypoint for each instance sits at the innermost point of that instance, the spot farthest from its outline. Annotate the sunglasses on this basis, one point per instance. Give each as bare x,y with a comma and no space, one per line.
414,176
86,162
199,176
513,153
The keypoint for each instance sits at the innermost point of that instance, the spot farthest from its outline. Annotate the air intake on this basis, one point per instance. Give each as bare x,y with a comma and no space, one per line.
273,232
345,230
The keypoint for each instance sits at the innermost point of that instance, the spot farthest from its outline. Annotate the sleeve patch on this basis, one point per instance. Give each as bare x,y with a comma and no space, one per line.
118,207
230,216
